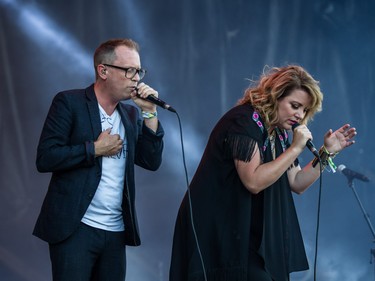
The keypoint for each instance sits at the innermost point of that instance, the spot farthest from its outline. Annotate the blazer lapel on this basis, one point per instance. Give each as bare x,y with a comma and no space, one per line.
93,108
129,130
94,115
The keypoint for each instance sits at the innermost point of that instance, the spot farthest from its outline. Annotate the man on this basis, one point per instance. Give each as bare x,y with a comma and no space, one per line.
90,142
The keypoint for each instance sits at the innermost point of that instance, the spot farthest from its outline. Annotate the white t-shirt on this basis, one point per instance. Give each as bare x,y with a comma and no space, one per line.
105,211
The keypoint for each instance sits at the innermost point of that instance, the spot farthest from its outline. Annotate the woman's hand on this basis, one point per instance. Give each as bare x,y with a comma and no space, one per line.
301,134
336,141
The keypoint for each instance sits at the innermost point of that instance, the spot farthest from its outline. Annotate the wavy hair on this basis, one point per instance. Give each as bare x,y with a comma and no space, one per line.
277,83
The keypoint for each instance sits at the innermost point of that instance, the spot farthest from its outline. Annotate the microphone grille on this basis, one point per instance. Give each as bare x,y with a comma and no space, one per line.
295,125
341,167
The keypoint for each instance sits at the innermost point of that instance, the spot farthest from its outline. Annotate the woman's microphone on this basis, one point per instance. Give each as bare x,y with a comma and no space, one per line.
309,143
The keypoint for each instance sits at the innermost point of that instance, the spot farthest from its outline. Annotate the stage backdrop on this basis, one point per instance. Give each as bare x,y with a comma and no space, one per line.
200,56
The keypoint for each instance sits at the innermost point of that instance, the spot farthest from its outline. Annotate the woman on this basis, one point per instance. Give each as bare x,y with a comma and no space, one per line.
242,205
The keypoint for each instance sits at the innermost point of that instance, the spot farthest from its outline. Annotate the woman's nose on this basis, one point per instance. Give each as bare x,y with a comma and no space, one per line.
300,114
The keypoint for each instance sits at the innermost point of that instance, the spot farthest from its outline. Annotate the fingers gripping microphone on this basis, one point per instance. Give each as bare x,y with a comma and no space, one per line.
309,143
350,174
157,101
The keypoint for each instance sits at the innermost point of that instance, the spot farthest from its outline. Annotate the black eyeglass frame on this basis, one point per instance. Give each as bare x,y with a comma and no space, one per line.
141,72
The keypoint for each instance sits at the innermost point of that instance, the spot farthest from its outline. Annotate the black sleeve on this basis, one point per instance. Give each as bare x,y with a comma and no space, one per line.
242,138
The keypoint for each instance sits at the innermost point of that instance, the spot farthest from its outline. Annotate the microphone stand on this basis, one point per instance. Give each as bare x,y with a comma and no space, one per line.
367,217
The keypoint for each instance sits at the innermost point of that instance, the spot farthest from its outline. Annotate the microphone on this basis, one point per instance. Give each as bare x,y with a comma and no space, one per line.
157,101
350,174
309,143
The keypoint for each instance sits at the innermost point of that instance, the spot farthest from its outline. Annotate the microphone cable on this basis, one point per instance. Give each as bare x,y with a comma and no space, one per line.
312,148
189,197
164,105
318,217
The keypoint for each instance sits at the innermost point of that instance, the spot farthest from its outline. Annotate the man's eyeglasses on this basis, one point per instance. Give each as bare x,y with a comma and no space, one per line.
130,72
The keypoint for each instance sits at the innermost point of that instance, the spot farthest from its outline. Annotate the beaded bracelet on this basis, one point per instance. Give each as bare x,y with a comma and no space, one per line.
149,115
325,158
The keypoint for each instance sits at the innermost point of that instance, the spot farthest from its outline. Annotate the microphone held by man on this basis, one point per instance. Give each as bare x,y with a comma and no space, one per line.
157,101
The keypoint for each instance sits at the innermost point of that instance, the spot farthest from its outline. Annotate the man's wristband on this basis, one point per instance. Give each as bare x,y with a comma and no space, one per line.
149,115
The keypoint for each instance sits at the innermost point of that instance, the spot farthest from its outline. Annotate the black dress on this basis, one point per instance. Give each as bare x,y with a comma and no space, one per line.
231,223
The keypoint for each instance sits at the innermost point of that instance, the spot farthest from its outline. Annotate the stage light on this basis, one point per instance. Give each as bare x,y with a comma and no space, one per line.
51,38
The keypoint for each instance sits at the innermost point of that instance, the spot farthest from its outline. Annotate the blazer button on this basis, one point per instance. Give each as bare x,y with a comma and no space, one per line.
90,195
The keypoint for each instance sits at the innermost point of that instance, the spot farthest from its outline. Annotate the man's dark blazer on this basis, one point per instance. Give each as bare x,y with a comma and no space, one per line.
66,148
